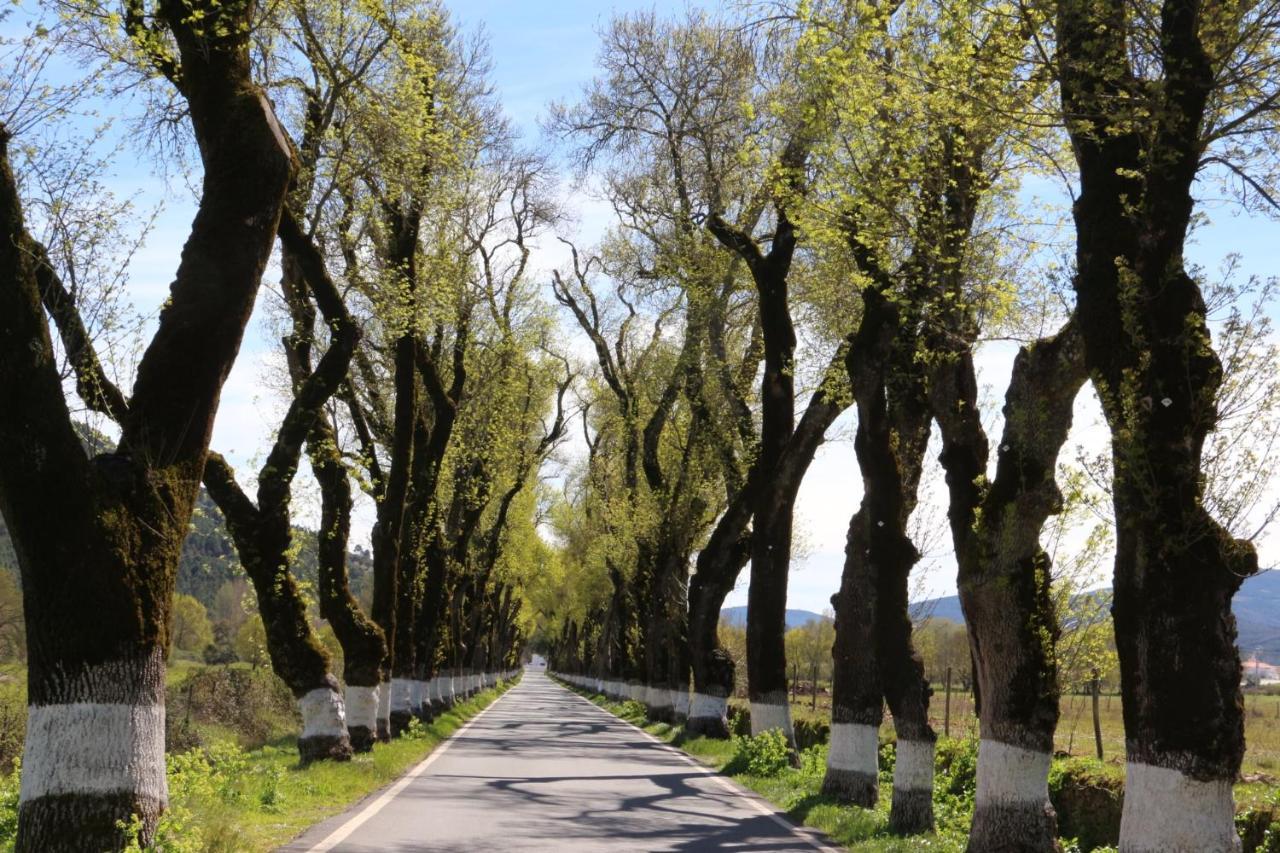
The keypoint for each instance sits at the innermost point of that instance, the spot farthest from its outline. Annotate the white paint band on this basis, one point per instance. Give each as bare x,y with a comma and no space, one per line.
362,707
913,766
706,706
93,748
657,697
384,700
1166,811
1009,775
401,690
855,747
680,701
323,714
770,715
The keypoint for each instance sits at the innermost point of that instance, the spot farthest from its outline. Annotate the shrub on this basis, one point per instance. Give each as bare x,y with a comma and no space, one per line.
811,732
765,754
1088,797
1259,826
254,705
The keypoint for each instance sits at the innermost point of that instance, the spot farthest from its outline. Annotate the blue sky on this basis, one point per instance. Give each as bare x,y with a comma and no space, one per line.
545,51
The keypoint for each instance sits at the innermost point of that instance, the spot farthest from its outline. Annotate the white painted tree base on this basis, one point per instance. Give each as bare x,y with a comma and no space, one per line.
1010,775
1166,811
706,706
913,766
854,747
362,707
323,714
93,748
401,695
771,715
680,702
384,706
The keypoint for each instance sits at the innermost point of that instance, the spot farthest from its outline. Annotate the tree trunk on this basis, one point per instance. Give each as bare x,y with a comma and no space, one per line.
364,647
262,543
110,528
1004,578
875,660
718,566
1148,350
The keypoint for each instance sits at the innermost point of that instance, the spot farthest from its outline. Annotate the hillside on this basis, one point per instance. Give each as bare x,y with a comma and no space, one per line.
1256,606
795,618
209,558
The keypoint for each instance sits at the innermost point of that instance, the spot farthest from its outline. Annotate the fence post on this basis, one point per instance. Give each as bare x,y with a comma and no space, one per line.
946,713
1097,721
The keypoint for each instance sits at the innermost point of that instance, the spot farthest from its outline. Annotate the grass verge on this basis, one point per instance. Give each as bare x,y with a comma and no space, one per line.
1087,793
796,791
224,798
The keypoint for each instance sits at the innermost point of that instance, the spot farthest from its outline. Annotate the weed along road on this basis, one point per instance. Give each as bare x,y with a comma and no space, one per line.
543,769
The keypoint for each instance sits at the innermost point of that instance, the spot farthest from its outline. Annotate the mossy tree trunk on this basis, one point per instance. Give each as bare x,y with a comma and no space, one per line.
1139,145
874,657
1004,577
111,527
262,532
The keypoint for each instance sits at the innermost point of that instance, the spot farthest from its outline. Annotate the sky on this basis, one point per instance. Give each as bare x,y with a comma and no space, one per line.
542,52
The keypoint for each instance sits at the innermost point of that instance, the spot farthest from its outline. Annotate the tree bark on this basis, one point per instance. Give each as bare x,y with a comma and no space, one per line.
110,528
874,657
1004,577
1148,351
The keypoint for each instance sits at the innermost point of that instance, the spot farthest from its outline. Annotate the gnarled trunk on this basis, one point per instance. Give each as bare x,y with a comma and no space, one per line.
98,539
1004,578
1148,350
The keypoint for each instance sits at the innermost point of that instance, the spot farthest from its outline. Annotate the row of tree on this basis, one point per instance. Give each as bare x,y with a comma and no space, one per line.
832,195
418,365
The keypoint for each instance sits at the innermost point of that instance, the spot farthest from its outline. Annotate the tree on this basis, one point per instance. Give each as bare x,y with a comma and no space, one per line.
111,525
191,629
1148,101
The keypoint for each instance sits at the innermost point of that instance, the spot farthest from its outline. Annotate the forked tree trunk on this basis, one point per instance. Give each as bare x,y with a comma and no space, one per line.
1149,353
110,528
363,644
875,659
262,542
1004,578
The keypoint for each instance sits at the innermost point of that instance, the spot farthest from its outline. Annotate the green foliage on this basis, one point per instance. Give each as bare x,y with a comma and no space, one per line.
765,754
191,630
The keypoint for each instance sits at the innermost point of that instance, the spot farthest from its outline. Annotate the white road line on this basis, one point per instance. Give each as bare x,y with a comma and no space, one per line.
751,799
343,832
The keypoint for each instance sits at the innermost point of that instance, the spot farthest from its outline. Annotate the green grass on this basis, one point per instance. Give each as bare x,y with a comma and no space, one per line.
227,799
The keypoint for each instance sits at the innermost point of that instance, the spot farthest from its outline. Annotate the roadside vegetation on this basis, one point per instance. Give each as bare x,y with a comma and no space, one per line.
235,782
1086,793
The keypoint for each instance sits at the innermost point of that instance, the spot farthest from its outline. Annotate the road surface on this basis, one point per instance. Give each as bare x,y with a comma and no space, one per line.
544,769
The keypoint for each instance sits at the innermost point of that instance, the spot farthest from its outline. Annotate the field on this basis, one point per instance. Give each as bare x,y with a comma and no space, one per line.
1075,728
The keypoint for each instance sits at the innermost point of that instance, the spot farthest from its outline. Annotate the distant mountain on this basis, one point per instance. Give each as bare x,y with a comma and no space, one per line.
1256,606
737,616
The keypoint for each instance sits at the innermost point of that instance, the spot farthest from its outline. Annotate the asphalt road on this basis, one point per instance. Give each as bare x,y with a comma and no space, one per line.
543,769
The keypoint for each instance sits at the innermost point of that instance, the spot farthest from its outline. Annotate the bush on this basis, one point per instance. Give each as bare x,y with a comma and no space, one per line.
956,763
739,721
1088,797
811,732
765,754
1259,827
254,706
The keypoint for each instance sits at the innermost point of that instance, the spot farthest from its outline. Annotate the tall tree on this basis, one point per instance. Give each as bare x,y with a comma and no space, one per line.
111,526
1150,97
